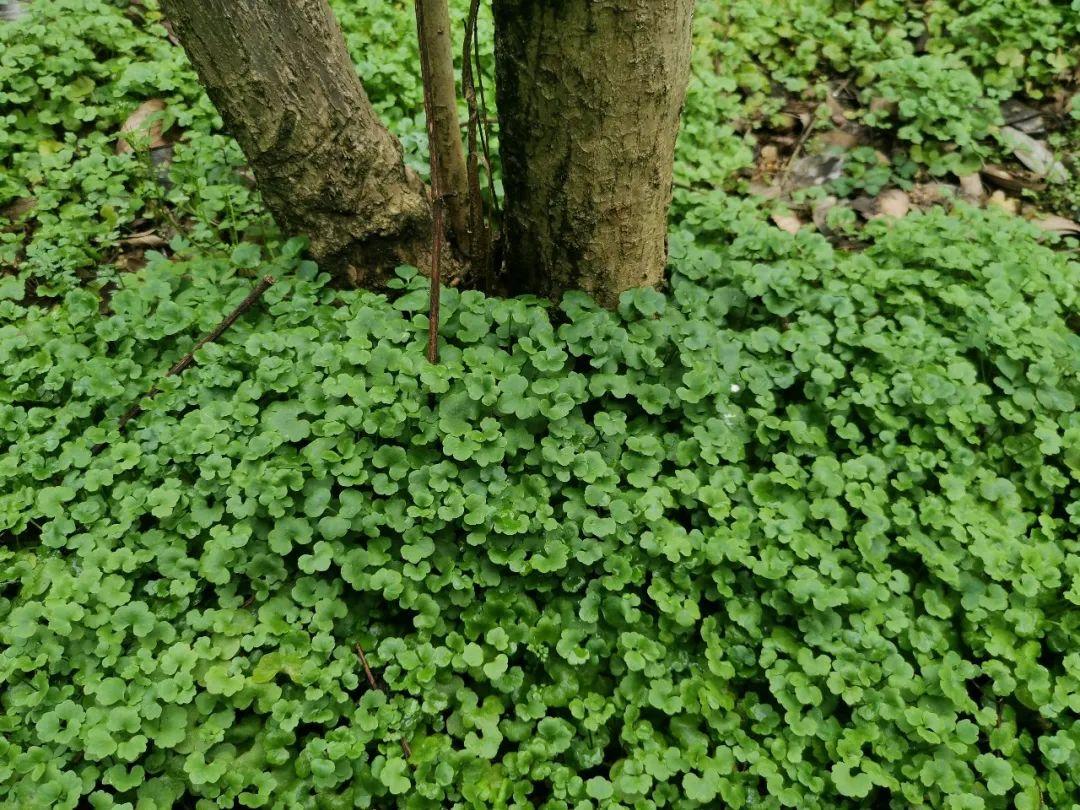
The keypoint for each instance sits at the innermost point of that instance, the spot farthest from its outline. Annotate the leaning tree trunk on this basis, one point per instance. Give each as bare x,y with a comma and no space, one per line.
589,94
281,77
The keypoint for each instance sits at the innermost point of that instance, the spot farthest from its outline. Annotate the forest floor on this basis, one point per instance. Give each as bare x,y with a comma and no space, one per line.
800,530
825,115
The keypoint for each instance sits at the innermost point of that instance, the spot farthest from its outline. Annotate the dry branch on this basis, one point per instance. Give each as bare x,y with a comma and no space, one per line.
374,684
437,189
264,284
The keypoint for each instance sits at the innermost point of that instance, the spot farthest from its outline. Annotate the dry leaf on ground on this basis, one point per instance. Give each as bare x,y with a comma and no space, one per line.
971,187
815,170
839,138
786,221
144,240
1057,224
1007,204
1008,180
1036,155
892,203
820,212
143,125
1024,118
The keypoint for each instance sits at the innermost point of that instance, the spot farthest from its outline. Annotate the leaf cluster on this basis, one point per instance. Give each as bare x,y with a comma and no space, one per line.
801,533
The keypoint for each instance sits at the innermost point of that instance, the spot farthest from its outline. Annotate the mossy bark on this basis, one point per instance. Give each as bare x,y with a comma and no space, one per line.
281,77
589,96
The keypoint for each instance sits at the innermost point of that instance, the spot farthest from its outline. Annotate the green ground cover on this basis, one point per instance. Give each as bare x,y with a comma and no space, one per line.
802,530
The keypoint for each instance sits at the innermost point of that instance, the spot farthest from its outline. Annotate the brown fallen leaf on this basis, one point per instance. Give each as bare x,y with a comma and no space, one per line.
820,212
971,188
769,159
17,207
766,190
1027,119
839,138
865,205
892,203
144,125
1063,98
786,221
1057,224
144,240
130,261
1006,204
815,170
1008,180
837,112
882,105
1036,155
925,195
170,33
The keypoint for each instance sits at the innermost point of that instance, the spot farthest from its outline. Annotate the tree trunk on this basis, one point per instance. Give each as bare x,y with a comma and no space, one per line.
281,77
433,19
589,94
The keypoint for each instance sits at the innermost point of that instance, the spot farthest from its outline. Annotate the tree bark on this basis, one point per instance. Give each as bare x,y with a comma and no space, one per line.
589,94
281,78
433,18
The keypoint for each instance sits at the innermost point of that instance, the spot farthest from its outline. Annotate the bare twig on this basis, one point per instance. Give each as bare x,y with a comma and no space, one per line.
786,172
367,668
485,122
436,284
264,284
374,684
804,136
437,227
170,33
436,46
480,231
